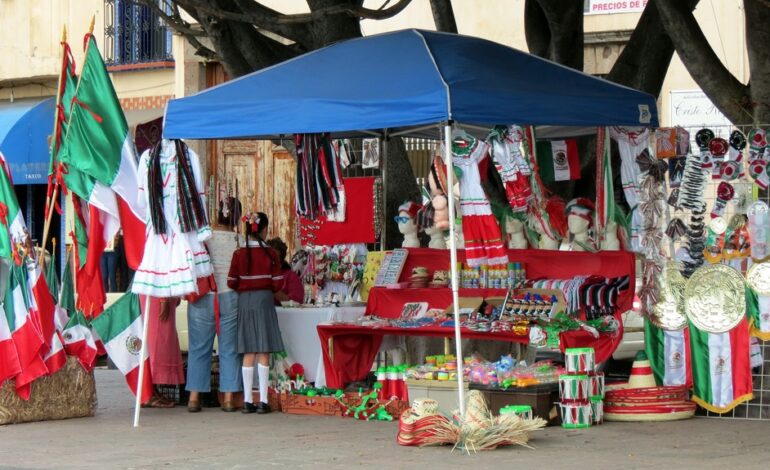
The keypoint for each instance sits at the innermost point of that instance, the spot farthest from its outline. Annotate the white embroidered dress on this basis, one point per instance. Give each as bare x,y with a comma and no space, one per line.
173,261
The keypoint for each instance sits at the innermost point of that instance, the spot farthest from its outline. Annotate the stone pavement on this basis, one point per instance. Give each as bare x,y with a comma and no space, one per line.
216,440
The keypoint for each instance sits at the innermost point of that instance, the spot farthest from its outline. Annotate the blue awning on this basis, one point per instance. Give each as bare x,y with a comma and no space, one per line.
403,81
24,129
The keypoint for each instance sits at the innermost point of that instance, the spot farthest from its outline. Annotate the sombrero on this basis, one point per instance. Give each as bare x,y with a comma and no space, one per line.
641,400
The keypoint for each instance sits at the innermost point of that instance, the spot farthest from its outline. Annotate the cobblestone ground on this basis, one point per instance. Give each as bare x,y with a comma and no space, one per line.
213,439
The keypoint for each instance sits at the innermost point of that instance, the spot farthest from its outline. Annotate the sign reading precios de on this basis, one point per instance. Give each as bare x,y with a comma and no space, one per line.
605,7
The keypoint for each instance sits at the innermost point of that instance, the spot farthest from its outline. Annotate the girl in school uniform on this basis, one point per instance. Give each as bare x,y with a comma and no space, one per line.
255,273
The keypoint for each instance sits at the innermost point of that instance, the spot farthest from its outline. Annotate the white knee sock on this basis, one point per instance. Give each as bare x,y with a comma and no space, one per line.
248,382
263,372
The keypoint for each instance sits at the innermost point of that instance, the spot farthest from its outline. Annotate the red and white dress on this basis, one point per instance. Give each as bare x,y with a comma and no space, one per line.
172,261
483,240
512,165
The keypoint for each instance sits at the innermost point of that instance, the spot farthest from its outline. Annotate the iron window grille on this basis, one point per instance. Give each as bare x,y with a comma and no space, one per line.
135,34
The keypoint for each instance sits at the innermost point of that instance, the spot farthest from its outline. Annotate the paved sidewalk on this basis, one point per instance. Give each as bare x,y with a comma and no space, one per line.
216,440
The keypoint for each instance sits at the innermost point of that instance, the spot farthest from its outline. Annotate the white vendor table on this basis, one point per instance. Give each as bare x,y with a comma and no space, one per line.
300,337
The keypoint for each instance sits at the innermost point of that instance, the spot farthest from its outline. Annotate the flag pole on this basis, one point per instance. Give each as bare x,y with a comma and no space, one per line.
142,360
49,203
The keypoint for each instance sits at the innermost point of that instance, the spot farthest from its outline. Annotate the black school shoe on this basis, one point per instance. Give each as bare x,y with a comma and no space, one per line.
250,408
263,408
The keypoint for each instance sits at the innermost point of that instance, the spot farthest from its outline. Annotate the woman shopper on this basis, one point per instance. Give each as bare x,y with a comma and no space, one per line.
291,287
255,273
201,328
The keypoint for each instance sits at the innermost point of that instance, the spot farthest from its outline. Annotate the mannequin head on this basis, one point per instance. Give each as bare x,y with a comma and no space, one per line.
580,215
514,228
407,224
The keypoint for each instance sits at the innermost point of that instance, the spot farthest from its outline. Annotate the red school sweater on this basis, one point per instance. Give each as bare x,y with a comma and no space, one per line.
255,267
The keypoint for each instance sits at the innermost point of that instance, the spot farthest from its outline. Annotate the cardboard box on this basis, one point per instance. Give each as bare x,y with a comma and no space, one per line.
468,306
542,399
445,393
304,405
274,399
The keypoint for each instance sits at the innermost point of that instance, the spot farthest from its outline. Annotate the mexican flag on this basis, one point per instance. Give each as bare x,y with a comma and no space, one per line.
12,226
721,370
98,143
9,358
120,328
558,160
56,357
669,354
25,333
79,342
758,311
41,304
88,245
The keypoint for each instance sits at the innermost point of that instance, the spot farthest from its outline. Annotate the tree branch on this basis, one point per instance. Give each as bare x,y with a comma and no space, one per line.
443,15
175,22
565,21
536,29
716,81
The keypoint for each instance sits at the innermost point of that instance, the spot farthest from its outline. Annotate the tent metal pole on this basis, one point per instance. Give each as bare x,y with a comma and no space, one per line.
453,264
142,361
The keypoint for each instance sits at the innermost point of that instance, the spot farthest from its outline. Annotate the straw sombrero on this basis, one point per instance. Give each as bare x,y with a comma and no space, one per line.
419,422
641,400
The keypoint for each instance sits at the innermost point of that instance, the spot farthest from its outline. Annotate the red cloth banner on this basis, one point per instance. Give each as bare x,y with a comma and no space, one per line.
358,226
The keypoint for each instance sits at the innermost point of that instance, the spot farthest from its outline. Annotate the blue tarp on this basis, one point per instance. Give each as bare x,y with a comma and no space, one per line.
24,129
401,81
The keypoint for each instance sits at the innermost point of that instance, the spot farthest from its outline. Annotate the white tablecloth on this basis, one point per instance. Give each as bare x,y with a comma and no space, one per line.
300,337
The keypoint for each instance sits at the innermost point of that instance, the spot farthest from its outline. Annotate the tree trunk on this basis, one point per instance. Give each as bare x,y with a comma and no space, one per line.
757,41
401,185
716,81
443,15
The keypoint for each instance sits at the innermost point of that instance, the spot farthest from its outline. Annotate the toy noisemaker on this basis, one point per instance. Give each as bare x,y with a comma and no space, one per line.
758,172
703,137
718,148
579,360
757,144
725,193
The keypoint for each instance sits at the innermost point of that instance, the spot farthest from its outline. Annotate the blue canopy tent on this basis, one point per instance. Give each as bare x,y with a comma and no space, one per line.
401,81
24,129
409,82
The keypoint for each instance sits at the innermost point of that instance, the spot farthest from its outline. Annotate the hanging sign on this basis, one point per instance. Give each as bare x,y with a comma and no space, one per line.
608,7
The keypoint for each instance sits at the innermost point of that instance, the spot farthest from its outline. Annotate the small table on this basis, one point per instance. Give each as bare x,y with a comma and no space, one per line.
300,336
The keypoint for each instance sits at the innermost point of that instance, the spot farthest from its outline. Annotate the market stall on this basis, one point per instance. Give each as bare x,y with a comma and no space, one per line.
298,328
420,83
349,349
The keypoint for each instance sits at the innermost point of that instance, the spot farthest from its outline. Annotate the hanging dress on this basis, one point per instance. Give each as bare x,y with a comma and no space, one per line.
631,143
483,241
172,261
512,166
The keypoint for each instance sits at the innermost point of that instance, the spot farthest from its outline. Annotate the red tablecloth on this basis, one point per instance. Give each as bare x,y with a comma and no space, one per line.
539,264
349,350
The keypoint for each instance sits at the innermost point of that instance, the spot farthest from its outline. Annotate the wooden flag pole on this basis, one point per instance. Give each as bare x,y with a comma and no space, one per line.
50,203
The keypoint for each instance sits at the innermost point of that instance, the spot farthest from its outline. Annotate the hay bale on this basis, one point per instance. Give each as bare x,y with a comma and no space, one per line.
69,393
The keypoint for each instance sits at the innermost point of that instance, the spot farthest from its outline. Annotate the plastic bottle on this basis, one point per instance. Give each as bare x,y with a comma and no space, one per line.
511,276
484,277
523,273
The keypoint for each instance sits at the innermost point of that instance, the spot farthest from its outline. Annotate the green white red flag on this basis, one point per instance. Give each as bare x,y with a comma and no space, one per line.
669,355
99,144
13,229
120,328
558,160
721,369
79,342
26,335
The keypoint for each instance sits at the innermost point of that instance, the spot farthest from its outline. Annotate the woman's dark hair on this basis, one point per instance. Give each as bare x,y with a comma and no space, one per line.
280,247
261,224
